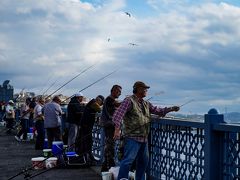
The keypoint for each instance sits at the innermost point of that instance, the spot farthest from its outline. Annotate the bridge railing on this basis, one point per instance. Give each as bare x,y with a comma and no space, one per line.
184,149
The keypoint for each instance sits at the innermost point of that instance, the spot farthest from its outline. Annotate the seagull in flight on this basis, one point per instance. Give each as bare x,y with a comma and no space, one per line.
108,39
133,44
127,13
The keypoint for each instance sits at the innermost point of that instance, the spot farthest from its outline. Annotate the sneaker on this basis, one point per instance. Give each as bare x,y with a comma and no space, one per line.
17,138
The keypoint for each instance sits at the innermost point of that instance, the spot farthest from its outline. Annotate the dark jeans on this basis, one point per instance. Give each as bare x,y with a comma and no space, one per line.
9,123
53,134
84,142
109,147
40,134
24,128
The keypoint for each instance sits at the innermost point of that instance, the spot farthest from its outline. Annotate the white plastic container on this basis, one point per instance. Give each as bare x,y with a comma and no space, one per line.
107,176
51,162
38,162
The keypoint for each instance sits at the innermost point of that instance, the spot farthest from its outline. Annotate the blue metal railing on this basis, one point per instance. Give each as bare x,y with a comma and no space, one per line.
181,149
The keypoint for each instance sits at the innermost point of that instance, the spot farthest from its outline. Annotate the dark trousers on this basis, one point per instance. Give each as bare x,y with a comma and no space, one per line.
9,123
53,134
84,141
109,147
40,134
24,128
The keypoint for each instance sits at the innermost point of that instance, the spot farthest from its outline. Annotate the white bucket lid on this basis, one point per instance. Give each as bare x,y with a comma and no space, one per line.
38,159
47,150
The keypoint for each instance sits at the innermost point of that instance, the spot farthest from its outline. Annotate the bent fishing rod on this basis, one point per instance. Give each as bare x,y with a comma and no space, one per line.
71,80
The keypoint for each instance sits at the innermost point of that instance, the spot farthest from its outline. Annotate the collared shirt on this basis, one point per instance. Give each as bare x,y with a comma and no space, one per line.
126,105
52,113
38,110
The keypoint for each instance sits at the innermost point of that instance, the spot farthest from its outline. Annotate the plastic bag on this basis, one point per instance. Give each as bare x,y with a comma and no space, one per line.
114,171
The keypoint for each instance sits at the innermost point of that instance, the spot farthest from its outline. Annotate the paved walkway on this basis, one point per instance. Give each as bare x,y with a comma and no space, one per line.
16,156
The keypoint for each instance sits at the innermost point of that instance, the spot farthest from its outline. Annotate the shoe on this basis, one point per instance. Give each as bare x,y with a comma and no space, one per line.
17,138
104,168
92,158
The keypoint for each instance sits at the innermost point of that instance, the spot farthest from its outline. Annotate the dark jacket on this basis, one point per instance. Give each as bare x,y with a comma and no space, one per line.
75,110
108,109
89,114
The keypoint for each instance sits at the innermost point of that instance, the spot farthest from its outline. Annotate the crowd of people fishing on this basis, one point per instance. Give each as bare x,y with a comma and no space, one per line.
127,120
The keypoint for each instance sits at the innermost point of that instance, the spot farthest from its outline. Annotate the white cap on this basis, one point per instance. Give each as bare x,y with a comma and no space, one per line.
78,94
11,101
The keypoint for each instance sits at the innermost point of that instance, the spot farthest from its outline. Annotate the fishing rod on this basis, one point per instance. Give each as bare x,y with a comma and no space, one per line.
71,80
187,102
49,87
93,83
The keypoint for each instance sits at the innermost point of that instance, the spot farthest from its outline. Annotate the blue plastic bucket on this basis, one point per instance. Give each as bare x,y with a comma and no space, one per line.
57,148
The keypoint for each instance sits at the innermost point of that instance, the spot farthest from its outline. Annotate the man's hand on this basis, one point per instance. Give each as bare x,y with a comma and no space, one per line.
175,108
116,134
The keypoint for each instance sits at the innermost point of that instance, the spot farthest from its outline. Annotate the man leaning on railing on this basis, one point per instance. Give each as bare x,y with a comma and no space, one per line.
134,113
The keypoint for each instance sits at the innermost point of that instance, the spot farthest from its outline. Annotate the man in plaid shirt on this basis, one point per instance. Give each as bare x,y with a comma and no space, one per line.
134,114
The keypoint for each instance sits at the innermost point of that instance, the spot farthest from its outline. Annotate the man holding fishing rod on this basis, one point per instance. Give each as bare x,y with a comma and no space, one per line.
109,106
135,115
84,140
75,110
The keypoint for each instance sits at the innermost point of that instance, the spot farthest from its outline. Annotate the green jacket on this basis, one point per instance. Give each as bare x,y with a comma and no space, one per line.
136,121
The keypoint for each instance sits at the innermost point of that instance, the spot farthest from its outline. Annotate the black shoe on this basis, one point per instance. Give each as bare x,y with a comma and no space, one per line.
92,158
104,168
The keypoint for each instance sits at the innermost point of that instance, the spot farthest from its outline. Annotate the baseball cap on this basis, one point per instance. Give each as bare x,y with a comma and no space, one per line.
11,101
139,84
78,94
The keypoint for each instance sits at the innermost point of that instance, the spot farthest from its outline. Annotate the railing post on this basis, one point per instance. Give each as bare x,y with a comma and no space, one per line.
213,148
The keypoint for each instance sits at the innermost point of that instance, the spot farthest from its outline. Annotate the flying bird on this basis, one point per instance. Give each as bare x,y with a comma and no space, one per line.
128,14
133,44
108,39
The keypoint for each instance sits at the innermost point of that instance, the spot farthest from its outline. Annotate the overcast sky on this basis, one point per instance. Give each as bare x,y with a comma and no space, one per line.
183,49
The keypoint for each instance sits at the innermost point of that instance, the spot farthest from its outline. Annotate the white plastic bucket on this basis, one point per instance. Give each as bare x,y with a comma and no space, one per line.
107,176
51,162
38,162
